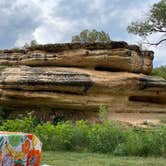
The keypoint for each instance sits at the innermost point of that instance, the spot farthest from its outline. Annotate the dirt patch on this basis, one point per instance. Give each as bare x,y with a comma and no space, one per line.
137,119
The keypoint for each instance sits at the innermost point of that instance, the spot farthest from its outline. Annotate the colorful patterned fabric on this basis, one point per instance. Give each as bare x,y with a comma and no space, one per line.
19,149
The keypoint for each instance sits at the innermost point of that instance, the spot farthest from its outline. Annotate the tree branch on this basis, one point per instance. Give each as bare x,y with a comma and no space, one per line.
158,29
156,44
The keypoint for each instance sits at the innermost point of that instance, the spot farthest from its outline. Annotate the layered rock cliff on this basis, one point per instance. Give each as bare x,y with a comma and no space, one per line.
114,56
78,78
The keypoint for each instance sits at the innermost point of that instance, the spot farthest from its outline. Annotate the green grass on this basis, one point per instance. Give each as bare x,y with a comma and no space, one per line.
94,159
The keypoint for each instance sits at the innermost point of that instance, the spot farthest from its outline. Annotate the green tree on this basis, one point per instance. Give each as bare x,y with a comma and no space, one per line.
31,44
154,22
159,71
91,36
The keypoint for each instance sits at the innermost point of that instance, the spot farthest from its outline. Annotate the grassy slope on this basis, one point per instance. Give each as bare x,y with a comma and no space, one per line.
93,159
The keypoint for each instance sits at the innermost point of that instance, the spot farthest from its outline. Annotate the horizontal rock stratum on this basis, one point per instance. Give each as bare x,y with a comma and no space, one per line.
79,78
80,89
113,56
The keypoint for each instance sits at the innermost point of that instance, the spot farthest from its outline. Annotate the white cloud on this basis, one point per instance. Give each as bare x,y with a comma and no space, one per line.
160,56
53,30
53,27
50,21
97,4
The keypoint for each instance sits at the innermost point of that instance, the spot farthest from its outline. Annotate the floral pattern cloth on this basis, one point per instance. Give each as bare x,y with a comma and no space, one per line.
19,149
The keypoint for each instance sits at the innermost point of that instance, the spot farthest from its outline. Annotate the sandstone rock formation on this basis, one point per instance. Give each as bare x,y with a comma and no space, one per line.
114,56
78,78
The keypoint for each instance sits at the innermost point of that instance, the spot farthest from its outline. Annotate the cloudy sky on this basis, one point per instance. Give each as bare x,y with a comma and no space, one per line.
52,21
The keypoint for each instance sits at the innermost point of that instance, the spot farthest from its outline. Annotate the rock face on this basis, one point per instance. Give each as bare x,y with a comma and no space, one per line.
114,56
78,78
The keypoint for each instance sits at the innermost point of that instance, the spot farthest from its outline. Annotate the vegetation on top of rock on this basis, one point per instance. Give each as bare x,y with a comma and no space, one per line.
87,36
155,22
31,44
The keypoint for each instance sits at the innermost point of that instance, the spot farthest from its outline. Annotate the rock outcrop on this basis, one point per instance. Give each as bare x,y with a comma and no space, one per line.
78,78
114,56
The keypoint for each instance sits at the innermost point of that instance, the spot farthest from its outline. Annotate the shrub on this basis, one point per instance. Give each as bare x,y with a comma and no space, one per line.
150,144
160,71
146,142
155,141
105,137
133,143
64,132
103,113
55,137
63,136
25,125
79,140
46,132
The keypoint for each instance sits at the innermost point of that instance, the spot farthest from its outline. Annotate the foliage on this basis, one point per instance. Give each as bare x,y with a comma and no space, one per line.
80,136
91,36
46,133
159,71
155,22
25,125
66,135
106,137
103,112
31,44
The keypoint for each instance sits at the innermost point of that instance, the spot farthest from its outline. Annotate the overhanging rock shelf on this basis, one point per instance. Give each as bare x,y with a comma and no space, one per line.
75,78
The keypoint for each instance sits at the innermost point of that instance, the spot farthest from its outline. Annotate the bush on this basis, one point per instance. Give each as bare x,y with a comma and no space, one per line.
64,132
103,113
154,142
133,143
105,137
79,140
159,71
63,136
46,132
145,142
25,125
55,137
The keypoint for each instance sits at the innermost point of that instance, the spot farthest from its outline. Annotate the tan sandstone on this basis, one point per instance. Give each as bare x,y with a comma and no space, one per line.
76,78
114,56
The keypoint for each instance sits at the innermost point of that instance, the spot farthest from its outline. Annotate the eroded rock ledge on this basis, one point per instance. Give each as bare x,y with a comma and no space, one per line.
78,78
113,56
81,89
